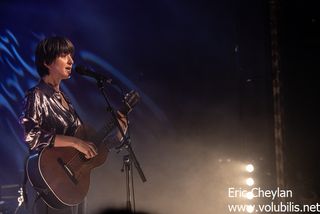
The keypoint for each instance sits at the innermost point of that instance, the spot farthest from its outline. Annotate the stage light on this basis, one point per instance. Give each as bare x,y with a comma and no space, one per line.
249,168
250,208
249,181
249,195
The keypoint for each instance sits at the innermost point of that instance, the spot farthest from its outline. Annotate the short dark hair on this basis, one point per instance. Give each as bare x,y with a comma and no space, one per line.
49,49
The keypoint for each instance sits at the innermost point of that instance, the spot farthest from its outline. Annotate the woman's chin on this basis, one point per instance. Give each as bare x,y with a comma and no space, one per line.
67,76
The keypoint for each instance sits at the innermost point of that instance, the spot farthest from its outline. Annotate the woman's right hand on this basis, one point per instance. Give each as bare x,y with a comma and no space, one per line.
86,147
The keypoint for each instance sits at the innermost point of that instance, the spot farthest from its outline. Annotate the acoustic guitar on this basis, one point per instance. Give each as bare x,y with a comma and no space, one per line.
61,175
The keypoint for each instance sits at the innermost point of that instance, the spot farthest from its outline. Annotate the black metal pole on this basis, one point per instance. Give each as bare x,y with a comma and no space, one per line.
127,159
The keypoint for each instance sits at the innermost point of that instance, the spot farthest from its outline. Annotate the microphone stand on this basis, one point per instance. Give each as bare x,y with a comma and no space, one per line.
130,157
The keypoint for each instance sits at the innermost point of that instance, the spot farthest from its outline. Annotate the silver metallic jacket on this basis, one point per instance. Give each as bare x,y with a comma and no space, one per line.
44,117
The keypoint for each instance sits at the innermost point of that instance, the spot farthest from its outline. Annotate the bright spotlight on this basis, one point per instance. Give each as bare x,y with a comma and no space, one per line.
249,168
250,208
249,181
249,195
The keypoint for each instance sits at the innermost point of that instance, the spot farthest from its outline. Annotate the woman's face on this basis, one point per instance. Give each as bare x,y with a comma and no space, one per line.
61,67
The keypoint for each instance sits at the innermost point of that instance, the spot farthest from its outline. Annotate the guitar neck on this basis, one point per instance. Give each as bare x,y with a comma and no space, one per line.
106,134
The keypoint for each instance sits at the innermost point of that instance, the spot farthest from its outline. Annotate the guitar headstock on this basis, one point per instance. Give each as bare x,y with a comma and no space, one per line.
130,100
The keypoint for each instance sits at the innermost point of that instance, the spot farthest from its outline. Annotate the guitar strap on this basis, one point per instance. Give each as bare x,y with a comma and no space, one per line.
24,183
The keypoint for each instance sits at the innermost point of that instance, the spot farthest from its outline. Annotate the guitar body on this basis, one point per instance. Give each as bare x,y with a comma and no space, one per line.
62,175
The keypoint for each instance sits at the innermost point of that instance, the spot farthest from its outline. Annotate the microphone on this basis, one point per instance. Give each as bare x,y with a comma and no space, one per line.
82,70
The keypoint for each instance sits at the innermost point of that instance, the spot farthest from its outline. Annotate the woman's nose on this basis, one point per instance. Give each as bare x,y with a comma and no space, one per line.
70,60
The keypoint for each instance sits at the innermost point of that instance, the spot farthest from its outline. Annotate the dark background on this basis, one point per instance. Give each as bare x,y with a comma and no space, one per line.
203,69
299,39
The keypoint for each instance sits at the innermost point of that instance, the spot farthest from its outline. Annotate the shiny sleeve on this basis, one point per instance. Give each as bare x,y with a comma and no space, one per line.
32,121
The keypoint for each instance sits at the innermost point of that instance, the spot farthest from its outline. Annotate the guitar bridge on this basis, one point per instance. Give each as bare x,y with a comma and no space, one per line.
68,171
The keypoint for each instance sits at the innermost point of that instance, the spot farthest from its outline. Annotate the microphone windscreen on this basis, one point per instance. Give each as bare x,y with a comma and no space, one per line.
81,69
